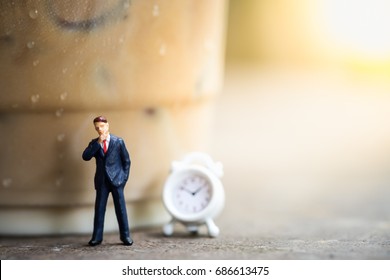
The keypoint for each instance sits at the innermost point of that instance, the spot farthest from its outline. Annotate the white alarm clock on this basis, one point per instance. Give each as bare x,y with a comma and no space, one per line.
193,193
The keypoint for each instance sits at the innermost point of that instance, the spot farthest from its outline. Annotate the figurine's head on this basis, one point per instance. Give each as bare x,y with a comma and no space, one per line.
101,125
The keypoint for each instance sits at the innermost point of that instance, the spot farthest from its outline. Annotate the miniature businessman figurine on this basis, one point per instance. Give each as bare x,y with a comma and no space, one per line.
112,172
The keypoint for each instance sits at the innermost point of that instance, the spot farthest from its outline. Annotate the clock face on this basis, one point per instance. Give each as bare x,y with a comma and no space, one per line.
192,194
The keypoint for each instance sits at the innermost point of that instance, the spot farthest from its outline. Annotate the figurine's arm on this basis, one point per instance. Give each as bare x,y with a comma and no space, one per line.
91,150
125,157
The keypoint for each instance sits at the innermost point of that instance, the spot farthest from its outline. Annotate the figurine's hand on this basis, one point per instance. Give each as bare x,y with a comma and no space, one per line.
102,137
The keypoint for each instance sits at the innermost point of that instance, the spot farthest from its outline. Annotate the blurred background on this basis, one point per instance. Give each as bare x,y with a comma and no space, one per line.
302,124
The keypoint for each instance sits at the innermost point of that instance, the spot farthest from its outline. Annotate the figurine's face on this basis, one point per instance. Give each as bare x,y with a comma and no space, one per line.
101,127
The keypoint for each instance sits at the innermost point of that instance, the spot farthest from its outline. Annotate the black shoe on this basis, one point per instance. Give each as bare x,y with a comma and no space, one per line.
127,241
94,242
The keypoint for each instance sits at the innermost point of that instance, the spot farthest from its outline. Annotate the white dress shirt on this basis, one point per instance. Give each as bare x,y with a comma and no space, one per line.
107,142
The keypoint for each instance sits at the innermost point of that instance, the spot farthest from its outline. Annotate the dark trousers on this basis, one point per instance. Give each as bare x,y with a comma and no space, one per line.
102,193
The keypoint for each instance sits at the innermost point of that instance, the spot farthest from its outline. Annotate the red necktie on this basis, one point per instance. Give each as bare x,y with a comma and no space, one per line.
105,146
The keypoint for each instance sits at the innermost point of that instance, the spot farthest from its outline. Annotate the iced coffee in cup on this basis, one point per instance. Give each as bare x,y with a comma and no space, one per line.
152,67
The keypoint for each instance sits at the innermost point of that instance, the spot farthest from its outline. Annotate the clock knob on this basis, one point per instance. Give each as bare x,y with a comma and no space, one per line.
199,158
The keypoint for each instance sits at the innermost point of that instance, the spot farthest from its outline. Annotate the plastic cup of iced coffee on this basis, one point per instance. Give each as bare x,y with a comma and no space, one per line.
153,68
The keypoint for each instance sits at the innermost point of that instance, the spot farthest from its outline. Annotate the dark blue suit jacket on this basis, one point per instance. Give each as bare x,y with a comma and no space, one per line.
114,165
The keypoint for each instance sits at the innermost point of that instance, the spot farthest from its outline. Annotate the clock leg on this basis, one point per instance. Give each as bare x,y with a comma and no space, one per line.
168,228
212,228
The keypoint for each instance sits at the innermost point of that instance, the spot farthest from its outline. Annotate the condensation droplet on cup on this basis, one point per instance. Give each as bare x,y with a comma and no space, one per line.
33,14
59,181
35,98
156,11
126,5
60,137
63,96
7,182
59,112
163,50
35,62
64,70
30,44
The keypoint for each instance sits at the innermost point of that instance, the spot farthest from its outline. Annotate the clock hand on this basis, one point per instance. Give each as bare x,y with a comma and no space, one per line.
195,192
184,189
